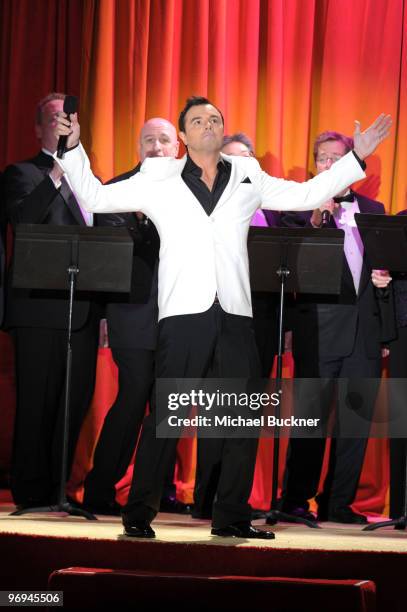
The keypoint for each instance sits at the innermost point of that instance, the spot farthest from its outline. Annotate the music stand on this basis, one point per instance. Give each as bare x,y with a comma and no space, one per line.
71,258
385,241
303,260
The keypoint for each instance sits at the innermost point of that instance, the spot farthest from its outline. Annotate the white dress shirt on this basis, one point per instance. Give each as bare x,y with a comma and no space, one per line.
258,219
353,245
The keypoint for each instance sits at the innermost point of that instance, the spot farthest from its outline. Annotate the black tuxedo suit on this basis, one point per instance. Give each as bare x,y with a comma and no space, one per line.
334,337
133,323
31,197
132,329
326,325
38,321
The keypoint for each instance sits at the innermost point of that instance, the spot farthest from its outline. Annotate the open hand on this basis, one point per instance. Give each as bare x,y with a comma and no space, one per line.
366,142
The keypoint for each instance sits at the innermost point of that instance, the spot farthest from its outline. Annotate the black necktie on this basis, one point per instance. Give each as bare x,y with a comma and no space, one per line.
346,198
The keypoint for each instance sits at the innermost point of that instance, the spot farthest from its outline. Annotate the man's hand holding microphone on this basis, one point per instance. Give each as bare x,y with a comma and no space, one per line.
321,216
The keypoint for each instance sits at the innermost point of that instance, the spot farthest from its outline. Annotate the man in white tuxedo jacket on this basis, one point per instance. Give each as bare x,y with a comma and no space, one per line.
201,206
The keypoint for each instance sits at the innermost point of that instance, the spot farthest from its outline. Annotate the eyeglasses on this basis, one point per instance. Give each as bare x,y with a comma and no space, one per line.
324,160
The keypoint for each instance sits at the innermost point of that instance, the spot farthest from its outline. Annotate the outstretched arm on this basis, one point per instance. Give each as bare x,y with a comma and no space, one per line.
280,194
288,195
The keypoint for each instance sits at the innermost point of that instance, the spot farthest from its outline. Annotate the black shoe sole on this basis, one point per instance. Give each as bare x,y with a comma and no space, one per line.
139,534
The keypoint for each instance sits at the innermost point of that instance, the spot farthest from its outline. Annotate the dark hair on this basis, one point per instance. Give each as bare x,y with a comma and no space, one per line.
51,96
347,141
193,101
239,137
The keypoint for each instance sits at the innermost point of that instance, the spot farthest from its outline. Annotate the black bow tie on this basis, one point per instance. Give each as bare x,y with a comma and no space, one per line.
346,198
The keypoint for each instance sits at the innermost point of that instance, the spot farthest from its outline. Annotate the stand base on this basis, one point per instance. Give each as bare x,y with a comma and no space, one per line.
65,507
276,516
400,523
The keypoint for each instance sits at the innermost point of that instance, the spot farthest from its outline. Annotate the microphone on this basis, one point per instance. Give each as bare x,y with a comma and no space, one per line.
326,217
70,106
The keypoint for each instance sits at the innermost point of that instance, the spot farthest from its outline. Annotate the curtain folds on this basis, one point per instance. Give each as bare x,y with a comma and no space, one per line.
40,52
281,70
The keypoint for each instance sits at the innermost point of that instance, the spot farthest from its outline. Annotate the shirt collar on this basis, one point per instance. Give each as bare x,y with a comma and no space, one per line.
349,205
192,168
44,150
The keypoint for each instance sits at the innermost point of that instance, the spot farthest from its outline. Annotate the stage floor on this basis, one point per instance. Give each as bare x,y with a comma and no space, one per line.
33,546
172,528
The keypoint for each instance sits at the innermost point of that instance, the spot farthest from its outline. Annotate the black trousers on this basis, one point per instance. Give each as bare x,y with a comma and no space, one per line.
121,427
40,361
265,325
398,446
209,451
191,346
305,455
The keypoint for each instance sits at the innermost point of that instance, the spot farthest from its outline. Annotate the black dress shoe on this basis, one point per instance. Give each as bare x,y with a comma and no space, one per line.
346,515
138,529
300,512
242,529
172,505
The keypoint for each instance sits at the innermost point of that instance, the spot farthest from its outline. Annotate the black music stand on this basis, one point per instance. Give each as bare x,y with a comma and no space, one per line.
302,260
385,241
70,258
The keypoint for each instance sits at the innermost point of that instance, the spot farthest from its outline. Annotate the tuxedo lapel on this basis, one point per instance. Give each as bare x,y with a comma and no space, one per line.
364,207
71,202
45,163
237,175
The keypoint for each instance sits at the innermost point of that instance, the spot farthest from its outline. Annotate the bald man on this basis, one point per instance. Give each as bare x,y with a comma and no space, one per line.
132,329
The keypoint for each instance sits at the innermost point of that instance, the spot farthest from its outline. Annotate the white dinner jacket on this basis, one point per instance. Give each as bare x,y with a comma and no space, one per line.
201,255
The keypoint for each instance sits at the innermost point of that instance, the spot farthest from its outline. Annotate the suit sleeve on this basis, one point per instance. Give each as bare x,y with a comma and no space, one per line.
125,196
26,200
279,194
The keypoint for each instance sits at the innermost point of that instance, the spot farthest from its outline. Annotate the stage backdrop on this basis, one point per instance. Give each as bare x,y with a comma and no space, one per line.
281,71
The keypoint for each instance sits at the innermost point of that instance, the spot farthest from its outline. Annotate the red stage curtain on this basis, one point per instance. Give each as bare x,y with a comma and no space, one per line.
40,52
281,71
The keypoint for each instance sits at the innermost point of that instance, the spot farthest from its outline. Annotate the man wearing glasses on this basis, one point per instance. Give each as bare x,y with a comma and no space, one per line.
338,337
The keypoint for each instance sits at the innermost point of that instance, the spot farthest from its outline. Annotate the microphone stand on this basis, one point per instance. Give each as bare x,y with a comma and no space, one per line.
63,505
275,515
